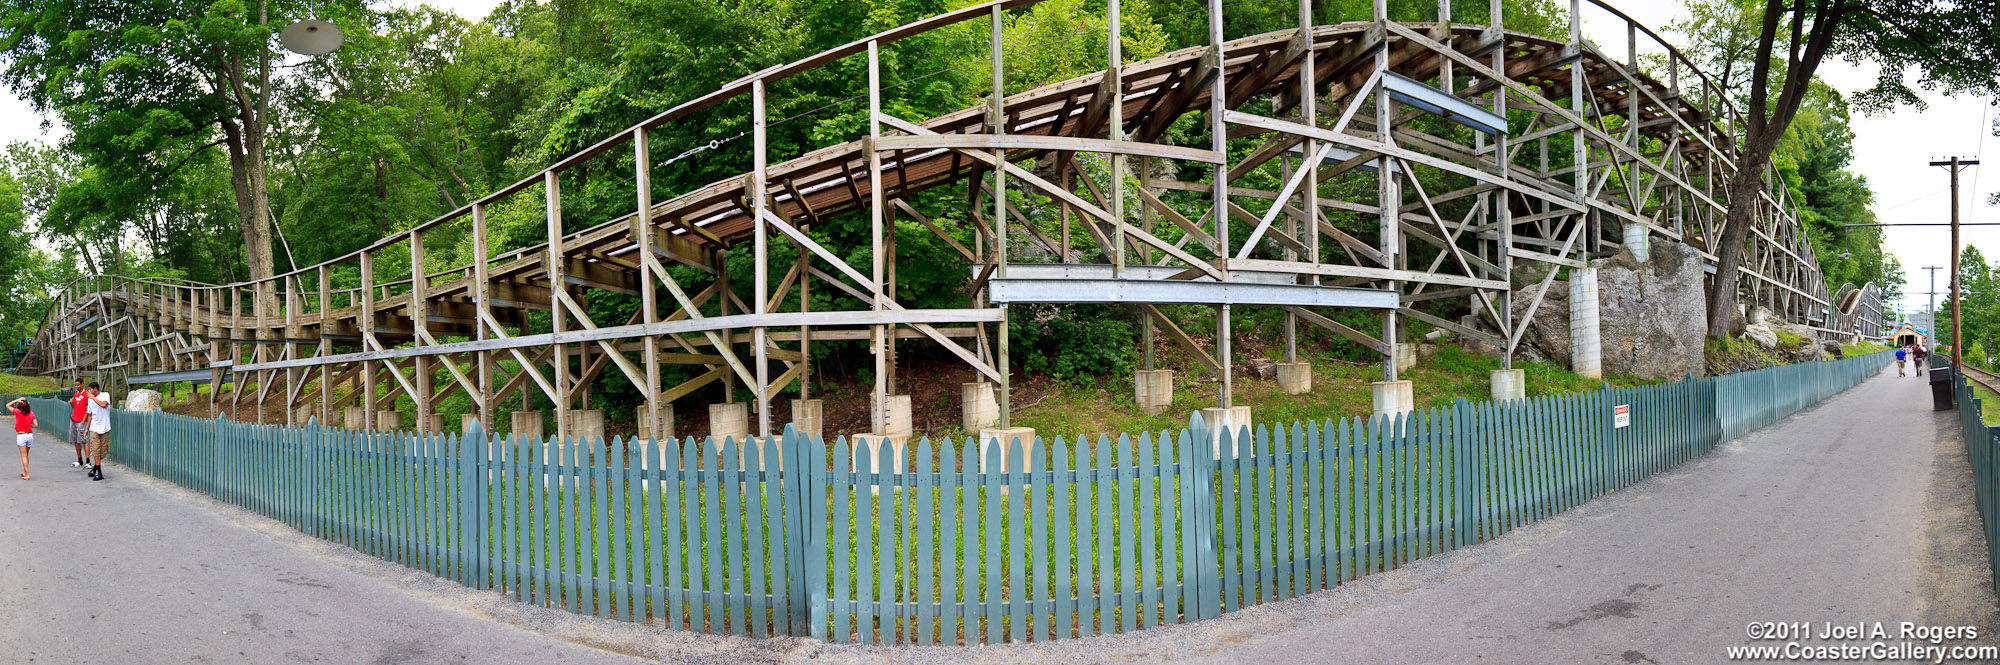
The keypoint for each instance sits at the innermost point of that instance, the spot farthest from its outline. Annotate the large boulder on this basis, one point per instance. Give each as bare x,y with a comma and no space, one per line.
142,400
1763,334
1653,316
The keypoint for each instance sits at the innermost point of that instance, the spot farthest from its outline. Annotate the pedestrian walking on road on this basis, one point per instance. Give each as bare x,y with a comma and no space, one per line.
100,430
1902,355
79,424
1923,358
24,430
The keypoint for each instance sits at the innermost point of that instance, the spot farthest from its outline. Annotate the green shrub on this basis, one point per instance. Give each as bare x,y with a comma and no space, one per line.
1067,342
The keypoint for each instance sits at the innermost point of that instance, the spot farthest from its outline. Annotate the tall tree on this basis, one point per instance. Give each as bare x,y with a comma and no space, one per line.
147,86
1951,45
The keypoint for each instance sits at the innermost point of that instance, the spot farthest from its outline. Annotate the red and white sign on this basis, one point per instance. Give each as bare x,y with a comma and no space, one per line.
1621,416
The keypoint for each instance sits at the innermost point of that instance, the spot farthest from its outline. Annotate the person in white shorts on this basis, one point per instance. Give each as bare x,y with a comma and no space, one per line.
24,430
100,430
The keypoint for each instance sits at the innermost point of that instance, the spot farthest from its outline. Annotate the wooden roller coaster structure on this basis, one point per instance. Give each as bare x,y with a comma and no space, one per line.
1561,154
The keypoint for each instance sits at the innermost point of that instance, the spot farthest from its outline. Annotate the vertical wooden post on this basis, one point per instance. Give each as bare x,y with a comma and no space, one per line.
295,377
365,317
325,343
558,287
482,306
1502,210
649,307
419,319
235,352
215,354
996,123
1114,73
759,207
878,395
1146,332
1308,115
1389,197
1218,133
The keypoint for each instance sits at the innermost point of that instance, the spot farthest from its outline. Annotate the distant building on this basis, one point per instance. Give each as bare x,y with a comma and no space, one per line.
1907,334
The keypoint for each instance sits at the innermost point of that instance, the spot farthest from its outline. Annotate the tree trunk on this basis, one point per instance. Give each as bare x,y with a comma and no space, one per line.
253,202
1744,190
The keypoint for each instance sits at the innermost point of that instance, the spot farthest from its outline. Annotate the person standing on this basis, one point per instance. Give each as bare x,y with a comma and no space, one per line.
79,424
24,430
100,429
1902,354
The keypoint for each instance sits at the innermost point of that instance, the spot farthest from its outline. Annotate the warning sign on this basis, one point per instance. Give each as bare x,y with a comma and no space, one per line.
1621,416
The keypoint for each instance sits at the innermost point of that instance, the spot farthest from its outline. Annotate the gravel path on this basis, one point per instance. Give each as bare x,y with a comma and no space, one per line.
1856,510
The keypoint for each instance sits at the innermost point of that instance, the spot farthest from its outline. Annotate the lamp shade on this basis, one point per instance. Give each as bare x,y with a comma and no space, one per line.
312,37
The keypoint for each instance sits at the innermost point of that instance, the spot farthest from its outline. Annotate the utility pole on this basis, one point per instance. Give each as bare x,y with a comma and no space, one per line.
1956,164
1932,324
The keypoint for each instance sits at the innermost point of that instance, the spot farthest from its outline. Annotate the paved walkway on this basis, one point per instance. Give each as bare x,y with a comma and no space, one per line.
1850,511
1854,511
1835,514
129,570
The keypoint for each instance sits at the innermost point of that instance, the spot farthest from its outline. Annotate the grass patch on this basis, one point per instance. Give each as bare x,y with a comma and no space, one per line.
1861,349
1989,406
15,384
1340,389
1792,342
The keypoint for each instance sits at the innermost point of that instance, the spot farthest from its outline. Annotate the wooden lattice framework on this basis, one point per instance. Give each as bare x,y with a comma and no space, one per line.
1391,99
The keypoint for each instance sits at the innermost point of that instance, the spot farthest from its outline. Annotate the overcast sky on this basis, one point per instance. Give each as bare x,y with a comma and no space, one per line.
1893,150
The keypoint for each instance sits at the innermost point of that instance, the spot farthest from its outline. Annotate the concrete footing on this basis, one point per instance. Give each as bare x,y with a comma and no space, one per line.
1393,397
1406,357
1295,378
661,432
1153,390
1636,241
1509,384
896,416
388,421
1006,438
303,415
868,450
1236,419
434,424
1586,355
978,408
584,425
526,424
354,417
807,416
729,419
466,423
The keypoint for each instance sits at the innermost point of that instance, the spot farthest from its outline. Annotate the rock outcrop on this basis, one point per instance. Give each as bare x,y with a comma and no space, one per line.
1652,315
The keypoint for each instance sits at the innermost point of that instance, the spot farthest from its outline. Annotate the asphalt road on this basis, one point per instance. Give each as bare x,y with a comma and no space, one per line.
129,570
1857,510
1837,514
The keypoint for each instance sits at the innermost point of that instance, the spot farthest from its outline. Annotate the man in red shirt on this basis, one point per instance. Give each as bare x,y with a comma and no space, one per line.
79,423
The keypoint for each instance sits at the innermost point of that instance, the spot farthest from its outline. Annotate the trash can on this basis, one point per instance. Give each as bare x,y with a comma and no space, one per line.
1941,390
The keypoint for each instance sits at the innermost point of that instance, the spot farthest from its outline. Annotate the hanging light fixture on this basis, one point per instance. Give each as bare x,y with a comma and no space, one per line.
312,37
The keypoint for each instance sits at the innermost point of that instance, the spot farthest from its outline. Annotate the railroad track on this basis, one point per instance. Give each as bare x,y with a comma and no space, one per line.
1982,377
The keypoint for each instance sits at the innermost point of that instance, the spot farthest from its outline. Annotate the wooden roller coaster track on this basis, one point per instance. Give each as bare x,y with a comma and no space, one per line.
1557,153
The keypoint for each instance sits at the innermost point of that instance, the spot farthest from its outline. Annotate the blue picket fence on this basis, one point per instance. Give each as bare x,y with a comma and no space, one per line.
1982,449
958,542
